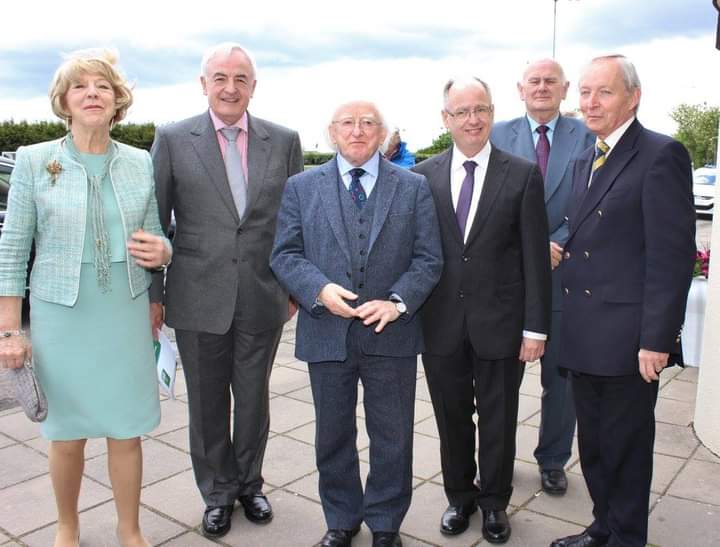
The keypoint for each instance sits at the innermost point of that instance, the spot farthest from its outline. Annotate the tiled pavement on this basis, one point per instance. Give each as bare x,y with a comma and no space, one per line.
685,501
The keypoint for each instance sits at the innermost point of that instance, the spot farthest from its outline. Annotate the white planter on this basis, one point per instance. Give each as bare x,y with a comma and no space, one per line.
694,320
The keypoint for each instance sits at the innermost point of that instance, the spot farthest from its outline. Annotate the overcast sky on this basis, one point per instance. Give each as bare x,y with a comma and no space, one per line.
313,55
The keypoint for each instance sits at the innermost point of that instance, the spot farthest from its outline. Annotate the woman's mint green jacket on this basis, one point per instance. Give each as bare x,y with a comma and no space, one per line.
55,213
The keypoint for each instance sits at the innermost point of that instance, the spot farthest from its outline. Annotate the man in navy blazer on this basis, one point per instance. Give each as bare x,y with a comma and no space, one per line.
627,267
553,141
358,247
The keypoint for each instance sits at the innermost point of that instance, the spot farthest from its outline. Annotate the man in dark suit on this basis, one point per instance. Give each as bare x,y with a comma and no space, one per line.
222,173
358,247
554,141
627,267
491,309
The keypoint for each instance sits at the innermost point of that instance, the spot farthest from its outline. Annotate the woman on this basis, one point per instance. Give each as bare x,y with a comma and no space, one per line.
89,204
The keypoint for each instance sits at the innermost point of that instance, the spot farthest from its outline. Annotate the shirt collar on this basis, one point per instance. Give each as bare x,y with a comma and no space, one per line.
371,166
550,125
613,138
218,124
481,158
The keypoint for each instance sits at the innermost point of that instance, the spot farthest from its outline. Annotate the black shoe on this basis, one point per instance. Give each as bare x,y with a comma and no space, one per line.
216,520
554,481
456,519
579,540
338,538
496,526
386,539
257,508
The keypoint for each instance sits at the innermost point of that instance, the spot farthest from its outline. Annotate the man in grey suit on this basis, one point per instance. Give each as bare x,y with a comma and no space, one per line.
358,247
553,141
222,173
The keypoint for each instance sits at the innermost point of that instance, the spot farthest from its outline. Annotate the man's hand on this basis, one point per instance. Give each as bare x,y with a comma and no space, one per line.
292,308
333,297
381,312
531,349
157,316
651,364
555,255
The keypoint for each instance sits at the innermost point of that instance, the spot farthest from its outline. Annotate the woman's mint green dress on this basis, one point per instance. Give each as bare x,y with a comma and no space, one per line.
95,360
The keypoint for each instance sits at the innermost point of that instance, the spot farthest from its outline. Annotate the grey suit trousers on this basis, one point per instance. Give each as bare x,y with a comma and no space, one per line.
226,467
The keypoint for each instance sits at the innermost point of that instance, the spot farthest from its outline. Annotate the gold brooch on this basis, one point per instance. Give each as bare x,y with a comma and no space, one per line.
54,168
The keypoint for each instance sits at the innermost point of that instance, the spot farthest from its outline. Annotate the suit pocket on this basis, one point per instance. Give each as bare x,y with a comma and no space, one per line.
624,294
186,243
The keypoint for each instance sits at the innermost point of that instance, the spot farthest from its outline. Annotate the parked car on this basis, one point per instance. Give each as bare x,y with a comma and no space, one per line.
704,190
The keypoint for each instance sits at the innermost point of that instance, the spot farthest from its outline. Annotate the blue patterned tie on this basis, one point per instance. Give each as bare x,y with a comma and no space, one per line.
357,192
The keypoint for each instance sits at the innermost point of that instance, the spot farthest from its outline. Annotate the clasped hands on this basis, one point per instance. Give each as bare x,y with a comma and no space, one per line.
382,312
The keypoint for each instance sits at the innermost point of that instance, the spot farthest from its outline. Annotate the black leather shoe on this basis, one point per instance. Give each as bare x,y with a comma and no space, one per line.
579,540
554,481
496,526
216,520
257,508
456,519
386,539
338,538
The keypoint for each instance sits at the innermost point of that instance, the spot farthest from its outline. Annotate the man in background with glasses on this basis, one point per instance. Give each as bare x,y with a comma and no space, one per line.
358,247
489,313
553,141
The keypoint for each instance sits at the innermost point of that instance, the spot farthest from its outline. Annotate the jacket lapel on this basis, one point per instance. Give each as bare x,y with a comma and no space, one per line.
560,150
523,141
205,143
439,181
605,177
494,178
385,186
328,181
259,148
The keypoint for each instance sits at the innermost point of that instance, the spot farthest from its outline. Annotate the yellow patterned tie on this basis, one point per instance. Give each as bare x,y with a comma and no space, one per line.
601,150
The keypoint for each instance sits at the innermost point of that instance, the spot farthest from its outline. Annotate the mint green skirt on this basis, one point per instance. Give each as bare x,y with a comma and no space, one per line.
95,361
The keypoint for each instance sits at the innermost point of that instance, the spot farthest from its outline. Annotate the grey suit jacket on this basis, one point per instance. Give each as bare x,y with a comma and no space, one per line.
311,250
570,139
221,260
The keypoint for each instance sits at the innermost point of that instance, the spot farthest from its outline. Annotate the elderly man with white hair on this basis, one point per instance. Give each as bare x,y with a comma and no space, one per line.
358,247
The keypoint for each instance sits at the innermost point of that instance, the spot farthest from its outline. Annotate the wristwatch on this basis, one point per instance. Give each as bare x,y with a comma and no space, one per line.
399,305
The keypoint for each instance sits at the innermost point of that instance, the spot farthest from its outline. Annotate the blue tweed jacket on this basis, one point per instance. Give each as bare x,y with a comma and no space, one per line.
54,215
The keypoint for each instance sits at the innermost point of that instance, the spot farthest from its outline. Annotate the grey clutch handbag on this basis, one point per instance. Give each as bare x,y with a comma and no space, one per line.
29,393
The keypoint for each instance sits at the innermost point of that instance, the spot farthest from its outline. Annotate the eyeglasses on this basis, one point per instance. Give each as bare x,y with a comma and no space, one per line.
348,124
462,114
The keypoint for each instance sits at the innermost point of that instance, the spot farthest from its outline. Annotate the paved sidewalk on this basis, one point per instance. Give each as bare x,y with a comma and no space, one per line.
685,500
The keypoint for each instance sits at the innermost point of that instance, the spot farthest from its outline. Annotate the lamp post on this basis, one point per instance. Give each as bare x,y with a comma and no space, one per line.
555,3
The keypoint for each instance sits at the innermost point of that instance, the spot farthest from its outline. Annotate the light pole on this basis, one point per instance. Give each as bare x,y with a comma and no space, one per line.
555,3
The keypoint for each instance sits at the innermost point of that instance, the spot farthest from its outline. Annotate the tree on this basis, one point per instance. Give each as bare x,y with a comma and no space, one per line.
440,144
698,131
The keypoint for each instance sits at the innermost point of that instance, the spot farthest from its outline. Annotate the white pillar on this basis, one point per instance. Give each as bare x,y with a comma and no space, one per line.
707,407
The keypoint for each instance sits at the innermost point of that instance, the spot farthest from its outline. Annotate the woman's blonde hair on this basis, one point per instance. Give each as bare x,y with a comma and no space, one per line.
90,61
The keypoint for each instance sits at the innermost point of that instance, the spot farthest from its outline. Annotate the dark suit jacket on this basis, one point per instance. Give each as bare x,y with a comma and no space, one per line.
311,250
220,259
570,139
498,283
629,256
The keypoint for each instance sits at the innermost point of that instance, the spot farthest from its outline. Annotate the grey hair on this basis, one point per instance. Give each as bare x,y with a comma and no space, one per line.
546,60
225,48
329,141
452,81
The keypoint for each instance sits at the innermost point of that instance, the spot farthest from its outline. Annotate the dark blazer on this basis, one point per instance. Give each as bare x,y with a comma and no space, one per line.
499,282
570,139
311,250
629,256
220,258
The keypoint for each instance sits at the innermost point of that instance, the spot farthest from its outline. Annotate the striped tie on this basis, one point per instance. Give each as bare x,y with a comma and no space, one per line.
601,150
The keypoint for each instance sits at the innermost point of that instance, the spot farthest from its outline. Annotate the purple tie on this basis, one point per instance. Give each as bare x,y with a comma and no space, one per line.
542,150
466,191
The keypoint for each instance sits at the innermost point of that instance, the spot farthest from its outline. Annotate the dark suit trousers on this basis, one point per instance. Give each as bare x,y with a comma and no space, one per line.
557,416
389,403
226,466
459,384
616,433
